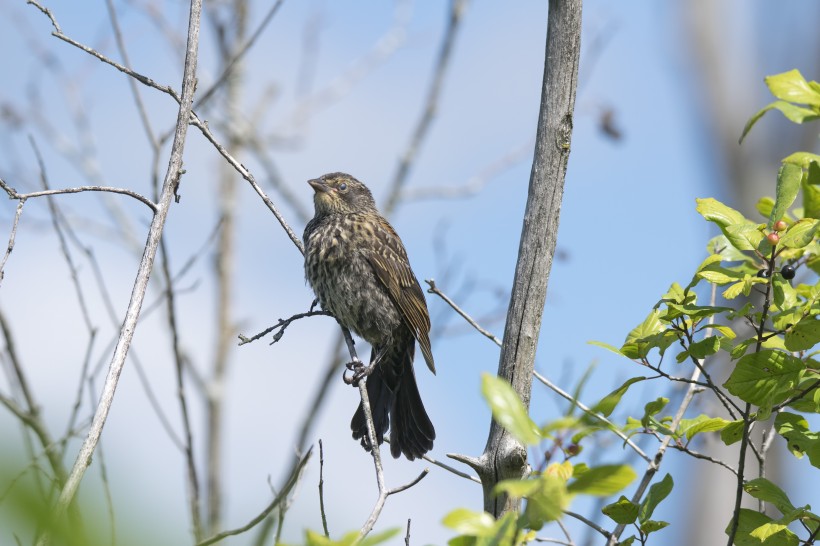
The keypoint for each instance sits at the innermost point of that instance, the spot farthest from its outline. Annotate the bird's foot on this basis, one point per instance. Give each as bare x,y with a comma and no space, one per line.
359,371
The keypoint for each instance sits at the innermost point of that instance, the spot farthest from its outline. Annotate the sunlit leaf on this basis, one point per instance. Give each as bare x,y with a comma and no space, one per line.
603,480
508,410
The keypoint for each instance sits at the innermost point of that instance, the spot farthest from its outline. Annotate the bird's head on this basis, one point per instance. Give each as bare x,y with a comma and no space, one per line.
340,193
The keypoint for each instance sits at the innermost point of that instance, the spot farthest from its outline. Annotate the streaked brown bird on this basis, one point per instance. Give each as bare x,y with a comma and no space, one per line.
358,268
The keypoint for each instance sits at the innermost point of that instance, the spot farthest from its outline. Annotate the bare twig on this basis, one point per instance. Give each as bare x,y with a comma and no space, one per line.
474,184
434,290
246,174
322,488
194,498
654,465
610,425
385,46
407,534
589,523
229,66
58,33
143,113
281,325
294,476
146,266
12,235
13,194
407,486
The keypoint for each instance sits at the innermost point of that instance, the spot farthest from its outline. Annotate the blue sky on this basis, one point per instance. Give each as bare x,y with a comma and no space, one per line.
628,222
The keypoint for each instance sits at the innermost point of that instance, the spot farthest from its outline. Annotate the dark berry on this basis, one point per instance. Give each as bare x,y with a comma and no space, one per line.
787,272
764,273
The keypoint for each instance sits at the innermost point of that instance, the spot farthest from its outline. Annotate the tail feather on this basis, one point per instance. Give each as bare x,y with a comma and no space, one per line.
394,396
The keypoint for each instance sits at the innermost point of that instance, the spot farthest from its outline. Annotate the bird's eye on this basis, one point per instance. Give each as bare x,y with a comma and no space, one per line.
342,187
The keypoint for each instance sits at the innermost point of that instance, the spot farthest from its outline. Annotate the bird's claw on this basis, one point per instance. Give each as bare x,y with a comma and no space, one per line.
359,371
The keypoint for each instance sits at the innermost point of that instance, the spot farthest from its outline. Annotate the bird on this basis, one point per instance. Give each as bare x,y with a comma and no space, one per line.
357,266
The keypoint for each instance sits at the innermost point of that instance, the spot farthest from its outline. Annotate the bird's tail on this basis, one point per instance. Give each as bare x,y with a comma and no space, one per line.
394,396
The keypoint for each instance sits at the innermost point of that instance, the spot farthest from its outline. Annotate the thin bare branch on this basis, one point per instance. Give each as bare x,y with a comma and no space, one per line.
12,235
239,54
407,486
322,488
141,282
457,10
281,325
143,113
246,174
194,497
13,194
434,290
294,477
474,184
595,415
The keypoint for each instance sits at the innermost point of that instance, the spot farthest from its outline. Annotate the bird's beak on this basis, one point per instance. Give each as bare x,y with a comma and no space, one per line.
318,185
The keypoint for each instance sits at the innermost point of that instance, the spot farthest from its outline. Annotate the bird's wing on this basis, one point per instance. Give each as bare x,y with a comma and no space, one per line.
392,268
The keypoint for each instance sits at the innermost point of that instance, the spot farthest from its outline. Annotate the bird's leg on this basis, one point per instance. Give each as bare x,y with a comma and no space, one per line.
360,370
314,304
354,366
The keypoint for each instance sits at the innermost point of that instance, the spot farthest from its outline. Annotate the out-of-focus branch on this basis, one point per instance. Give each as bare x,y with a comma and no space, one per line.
293,478
474,184
141,282
457,10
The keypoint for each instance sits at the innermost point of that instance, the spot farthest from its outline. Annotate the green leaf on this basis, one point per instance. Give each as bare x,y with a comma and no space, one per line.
516,488
622,511
467,522
764,378
602,481
811,189
804,335
547,502
720,245
765,206
508,410
650,526
785,296
657,492
745,236
377,538
800,440
606,346
770,531
732,432
317,539
795,114
643,337
749,521
763,489
801,159
788,184
809,402
717,274
696,311
705,347
791,86
715,211
611,400
702,423
800,234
